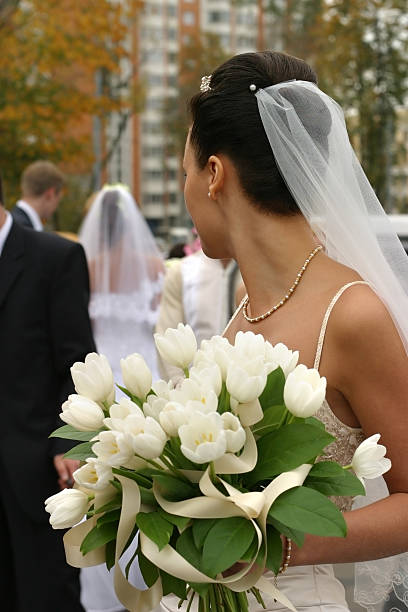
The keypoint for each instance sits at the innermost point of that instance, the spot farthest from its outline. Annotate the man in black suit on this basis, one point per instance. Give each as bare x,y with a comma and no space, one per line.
41,186
44,329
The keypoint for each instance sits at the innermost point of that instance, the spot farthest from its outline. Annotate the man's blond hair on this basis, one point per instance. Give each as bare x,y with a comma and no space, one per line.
39,176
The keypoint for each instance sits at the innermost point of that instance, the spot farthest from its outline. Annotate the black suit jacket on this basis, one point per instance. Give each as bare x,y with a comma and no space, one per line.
20,216
44,329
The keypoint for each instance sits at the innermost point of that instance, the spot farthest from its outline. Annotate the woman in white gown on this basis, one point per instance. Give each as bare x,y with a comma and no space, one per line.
126,273
270,174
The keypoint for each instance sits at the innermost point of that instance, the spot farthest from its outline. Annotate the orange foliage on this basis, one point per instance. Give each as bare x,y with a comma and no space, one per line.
50,52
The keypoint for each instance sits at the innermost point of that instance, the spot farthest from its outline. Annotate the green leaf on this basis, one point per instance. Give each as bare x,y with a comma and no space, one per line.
186,547
129,563
294,534
315,422
310,511
149,571
81,452
174,489
70,433
200,587
109,517
179,521
327,469
271,420
223,400
155,527
171,584
114,504
225,543
110,551
200,529
251,551
98,536
134,398
272,395
274,549
133,475
287,448
147,497
349,485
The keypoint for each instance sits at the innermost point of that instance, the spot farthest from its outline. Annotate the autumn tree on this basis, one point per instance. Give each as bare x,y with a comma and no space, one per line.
362,61
51,52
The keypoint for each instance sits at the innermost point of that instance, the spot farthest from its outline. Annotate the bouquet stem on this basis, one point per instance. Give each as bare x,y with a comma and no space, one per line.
222,599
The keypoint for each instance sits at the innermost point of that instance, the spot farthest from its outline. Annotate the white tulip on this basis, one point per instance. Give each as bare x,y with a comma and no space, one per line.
246,380
177,346
172,417
234,432
66,508
162,388
82,413
280,356
195,396
113,448
136,375
304,391
203,439
216,350
119,412
208,375
154,405
369,459
146,436
249,345
94,378
93,475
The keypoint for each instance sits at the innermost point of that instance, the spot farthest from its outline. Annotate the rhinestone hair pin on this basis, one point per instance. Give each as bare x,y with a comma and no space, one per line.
205,83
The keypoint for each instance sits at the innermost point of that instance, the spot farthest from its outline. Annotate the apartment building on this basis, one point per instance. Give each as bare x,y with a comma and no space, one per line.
164,26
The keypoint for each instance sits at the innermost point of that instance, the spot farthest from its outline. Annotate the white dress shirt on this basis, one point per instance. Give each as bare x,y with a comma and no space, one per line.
5,230
33,214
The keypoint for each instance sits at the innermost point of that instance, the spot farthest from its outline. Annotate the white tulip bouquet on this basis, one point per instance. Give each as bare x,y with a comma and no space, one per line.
211,471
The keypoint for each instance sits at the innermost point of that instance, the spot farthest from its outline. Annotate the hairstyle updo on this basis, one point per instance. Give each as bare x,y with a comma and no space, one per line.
226,120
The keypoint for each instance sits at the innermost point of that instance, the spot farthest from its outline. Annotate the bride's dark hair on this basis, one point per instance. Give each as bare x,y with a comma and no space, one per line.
226,120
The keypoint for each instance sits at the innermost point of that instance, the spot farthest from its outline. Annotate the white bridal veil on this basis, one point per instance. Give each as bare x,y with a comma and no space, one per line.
126,273
309,140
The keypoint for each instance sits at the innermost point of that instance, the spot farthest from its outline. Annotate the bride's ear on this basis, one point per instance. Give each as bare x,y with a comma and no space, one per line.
217,176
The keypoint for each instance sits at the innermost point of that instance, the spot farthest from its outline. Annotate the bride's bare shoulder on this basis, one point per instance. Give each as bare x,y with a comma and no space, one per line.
360,319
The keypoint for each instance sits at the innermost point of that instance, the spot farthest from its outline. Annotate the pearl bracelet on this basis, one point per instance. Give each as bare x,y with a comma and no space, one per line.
286,561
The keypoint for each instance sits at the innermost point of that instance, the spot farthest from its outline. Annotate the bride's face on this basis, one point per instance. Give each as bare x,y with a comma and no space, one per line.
203,210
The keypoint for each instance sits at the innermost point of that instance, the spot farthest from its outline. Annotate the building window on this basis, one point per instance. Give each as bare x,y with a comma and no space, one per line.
218,17
171,10
188,18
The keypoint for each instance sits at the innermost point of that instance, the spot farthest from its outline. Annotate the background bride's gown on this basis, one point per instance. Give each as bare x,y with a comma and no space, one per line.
311,588
116,338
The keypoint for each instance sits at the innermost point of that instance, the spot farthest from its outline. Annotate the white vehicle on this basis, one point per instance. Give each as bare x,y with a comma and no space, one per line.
400,225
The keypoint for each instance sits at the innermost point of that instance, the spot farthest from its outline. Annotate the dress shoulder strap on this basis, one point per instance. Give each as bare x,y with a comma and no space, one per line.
234,315
320,342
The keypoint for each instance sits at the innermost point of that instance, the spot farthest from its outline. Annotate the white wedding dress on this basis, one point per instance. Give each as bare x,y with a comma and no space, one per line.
126,273
312,588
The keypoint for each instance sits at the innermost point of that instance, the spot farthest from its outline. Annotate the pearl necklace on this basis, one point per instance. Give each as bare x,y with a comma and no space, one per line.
285,298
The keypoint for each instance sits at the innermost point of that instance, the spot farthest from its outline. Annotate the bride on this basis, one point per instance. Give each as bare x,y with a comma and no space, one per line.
271,176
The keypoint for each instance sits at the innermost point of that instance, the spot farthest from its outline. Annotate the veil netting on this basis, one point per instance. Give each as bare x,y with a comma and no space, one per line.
126,273
309,141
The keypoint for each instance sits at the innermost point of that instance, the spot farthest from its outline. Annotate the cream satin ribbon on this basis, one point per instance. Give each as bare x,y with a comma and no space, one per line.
253,506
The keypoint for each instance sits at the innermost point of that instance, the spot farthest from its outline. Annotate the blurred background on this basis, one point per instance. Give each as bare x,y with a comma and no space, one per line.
99,87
